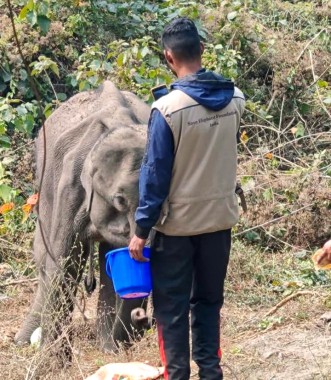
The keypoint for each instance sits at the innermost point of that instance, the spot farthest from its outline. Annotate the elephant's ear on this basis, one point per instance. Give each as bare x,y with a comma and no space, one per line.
86,179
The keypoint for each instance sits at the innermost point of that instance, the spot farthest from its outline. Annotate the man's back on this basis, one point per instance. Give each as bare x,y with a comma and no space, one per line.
202,190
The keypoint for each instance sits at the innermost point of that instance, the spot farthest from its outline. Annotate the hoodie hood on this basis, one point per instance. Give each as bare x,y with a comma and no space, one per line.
207,88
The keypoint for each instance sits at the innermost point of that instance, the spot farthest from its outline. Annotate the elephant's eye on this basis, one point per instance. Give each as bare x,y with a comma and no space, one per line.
119,202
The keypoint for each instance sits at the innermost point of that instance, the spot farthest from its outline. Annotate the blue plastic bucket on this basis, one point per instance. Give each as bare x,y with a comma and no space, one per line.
131,278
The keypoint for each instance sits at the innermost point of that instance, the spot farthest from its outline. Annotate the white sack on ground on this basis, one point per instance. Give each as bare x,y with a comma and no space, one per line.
127,371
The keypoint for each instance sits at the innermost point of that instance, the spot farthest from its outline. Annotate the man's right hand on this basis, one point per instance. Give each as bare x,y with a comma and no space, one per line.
136,247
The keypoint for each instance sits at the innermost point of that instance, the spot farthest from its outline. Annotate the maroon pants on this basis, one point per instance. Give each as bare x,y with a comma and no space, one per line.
188,276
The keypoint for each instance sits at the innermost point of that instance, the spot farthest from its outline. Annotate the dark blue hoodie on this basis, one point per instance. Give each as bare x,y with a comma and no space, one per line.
208,89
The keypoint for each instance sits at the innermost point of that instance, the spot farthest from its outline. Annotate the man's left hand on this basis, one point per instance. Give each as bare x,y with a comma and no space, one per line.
136,247
326,255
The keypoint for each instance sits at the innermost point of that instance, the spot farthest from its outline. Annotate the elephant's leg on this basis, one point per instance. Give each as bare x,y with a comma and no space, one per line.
33,319
106,304
57,306
114,314
60,299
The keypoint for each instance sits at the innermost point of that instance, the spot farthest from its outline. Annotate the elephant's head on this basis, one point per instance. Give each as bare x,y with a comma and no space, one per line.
110,179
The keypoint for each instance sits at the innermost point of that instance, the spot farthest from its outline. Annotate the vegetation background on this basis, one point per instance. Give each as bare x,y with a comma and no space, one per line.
279,54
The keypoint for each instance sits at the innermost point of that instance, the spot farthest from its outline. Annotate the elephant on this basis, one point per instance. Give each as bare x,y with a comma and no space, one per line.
94,145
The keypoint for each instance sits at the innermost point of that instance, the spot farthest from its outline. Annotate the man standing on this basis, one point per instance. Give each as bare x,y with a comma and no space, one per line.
187,193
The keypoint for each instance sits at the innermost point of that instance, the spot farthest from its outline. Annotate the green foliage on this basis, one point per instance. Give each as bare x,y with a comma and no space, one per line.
7,193
73,46
36,14
92,70
267,323
16,116
223,60
257,277
76,45
42,65
15,215
138,65
134,65
276,52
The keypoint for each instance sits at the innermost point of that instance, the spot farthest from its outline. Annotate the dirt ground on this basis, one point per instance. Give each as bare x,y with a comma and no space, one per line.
286,351
294,343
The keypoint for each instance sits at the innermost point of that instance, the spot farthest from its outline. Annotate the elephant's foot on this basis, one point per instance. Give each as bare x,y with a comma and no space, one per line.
21,339
23,336
32,320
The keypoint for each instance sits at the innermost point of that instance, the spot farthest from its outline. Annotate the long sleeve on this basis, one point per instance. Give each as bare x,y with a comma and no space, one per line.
155,174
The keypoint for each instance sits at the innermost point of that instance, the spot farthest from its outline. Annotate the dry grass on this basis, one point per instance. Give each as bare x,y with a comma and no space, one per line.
31,363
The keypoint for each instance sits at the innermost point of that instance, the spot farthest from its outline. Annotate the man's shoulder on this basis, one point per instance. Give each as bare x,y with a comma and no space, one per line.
238,94
172,102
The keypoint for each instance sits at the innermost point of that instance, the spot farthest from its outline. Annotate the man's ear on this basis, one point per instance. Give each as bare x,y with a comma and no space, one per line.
202,48
168,57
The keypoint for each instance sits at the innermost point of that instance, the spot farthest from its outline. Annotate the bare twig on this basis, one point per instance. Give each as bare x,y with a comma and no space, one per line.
309,42
262,127
280,158
258,59
53,89
317,135
272,100
260,117
278,239
287,299
281,113
319,76
16,282
289,125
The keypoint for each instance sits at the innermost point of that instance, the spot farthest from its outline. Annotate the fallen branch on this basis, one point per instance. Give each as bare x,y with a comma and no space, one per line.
275,93
287,299
309,42
16,282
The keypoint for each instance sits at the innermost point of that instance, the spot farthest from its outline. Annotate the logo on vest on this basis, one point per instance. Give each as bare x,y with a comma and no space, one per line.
212,119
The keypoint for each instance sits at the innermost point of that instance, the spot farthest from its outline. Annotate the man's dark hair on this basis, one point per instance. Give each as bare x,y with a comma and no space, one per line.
182,38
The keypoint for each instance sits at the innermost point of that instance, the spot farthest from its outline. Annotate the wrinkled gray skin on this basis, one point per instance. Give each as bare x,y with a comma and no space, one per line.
95,145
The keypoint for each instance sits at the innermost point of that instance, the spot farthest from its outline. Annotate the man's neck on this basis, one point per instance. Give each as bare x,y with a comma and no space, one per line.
190,69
